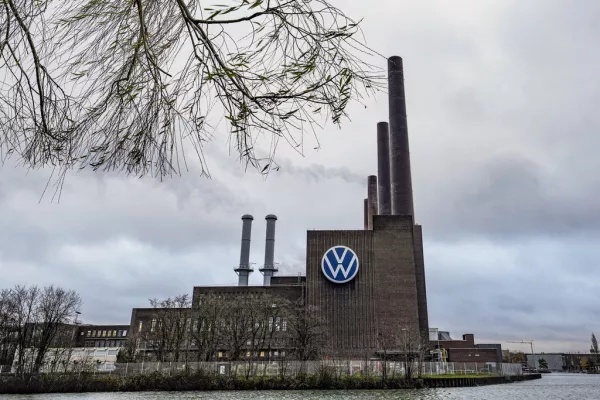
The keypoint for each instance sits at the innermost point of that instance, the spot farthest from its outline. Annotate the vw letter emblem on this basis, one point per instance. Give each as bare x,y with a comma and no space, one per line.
339,264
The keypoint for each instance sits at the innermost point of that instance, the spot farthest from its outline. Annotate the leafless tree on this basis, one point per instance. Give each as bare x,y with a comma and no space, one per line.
206,326
38,319
168,329
307,335
56,307
122,85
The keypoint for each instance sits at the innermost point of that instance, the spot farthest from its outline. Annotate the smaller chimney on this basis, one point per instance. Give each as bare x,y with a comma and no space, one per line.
244,269
366,214
372,197
268,270
384,194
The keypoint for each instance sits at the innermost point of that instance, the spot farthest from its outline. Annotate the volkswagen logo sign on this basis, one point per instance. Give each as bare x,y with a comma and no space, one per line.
339,264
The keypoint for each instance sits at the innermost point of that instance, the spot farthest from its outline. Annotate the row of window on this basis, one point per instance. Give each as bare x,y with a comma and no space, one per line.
105,343
108,333
257,354
280,325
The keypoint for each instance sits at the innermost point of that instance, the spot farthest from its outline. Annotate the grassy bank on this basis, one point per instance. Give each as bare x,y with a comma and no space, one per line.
58,383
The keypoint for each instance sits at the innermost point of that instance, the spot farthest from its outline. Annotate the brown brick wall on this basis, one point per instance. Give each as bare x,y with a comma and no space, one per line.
384,292
420,276
471,355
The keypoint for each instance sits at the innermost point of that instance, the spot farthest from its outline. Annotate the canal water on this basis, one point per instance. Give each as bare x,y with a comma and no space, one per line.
551,386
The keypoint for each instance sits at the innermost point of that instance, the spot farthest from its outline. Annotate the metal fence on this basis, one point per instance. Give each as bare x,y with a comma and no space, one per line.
294,368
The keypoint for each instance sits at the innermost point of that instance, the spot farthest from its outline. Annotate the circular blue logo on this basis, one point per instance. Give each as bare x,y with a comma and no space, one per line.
339,264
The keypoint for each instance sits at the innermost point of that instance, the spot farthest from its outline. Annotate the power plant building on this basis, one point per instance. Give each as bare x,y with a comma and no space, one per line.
361,282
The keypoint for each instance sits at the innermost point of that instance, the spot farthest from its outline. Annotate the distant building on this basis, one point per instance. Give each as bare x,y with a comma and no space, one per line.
466,350
557,362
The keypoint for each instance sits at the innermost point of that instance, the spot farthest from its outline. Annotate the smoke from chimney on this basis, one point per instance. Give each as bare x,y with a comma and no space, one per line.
372,197
400,176
244,269
268,270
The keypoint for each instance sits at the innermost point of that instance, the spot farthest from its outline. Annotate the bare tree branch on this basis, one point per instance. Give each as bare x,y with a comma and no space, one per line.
130,85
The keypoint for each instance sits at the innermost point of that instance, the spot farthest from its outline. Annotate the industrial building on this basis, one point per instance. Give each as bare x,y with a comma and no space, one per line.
365,284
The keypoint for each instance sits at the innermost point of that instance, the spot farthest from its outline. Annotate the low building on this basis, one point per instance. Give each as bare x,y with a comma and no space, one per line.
465,350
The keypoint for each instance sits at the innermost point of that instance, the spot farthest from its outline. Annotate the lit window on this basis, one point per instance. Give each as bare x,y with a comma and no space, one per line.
275,353
262,353
248,354
283,324
114,333
103,333
220,355
93,333
153,325
140,326
125,332
108,334
277,325
89,333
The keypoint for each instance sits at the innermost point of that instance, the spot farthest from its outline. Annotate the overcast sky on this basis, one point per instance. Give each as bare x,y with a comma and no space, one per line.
502,100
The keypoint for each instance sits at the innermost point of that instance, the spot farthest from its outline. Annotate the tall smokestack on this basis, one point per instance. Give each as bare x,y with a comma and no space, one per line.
268,270
384,194
244,269
366,214
372,196
400,177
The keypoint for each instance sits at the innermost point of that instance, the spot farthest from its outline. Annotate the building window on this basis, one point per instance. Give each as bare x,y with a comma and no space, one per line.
140,326
275,353
98,344
93,333
153,325
89,333
120,333
270,324
114,333
277,324
248,354
249,342
103,333
262,353
125,332
220,355
108,334
195,328
283,324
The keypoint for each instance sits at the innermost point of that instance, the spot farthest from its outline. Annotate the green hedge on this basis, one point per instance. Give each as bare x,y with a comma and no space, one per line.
59,383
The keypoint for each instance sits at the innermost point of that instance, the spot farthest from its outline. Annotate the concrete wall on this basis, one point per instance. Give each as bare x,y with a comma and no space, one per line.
556,362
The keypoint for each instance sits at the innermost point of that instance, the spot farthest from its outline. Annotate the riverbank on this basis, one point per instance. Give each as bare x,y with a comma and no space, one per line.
58,383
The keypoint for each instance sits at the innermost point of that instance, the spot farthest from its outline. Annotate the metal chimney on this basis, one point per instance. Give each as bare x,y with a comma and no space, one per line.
400,177
372,196
366,214
268,270
384,194
244,269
